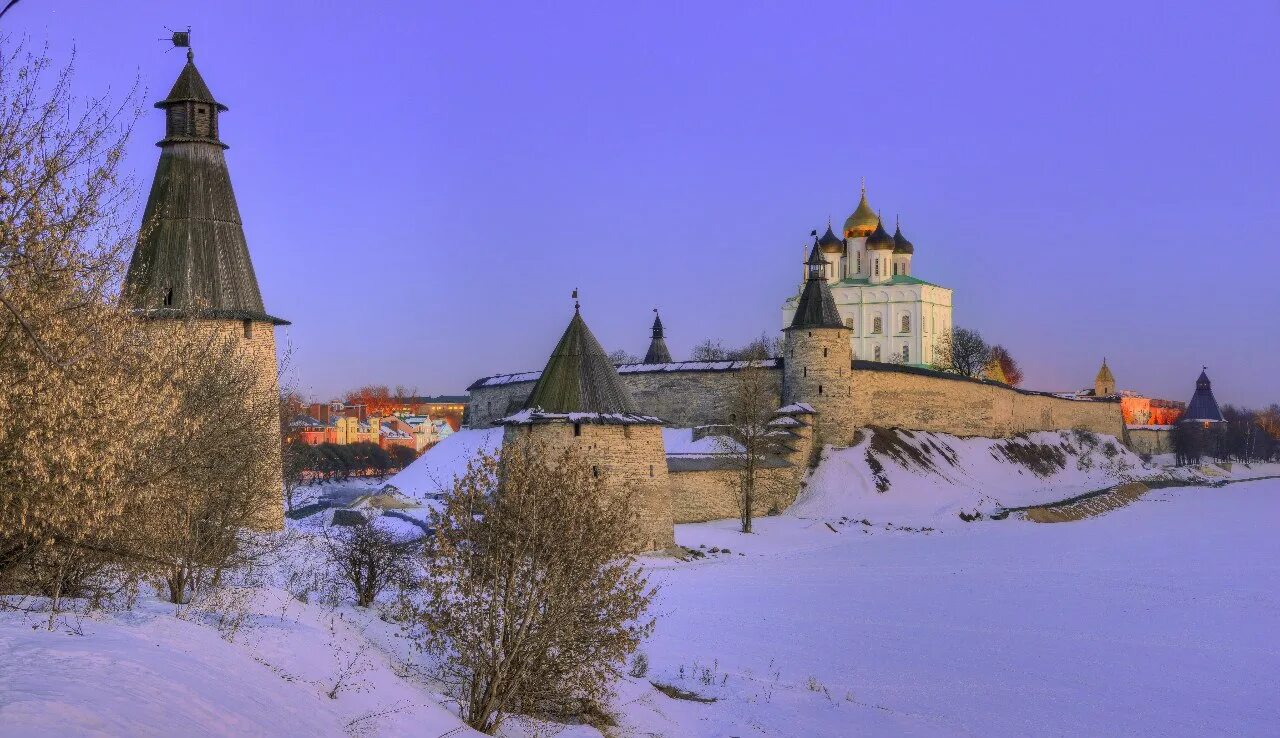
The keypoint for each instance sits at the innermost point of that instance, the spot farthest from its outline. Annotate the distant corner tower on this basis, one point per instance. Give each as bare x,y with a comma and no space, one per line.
191,267
580,402
818,357
1203,407
657,353
1104,385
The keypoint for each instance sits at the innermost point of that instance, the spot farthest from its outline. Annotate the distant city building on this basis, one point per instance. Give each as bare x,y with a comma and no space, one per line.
892,315
1137,408
452,408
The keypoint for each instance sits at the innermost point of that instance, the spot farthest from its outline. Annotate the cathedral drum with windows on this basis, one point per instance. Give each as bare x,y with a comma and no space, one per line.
892,315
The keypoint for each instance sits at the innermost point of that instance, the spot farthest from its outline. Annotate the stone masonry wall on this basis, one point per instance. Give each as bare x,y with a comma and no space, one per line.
967,408
817,371
259,350
874,397
1151,440
682,399
628,457
697,496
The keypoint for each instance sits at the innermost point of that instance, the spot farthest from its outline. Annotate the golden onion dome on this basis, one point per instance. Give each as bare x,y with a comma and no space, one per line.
863,221
880,240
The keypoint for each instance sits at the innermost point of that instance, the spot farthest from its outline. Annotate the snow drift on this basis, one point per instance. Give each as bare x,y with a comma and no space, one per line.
432,473
921,478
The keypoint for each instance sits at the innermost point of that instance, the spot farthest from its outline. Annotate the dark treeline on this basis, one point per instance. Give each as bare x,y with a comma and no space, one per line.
1248,436
334,462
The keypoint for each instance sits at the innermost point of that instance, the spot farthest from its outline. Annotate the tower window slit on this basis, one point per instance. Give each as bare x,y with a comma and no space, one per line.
577,429
248,327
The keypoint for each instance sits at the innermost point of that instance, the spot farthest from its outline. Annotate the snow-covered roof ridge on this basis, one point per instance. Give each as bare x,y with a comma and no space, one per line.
497,380
796,408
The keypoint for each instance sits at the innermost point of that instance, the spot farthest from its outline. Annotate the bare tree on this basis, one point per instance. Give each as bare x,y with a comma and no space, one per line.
763,346
622,356
370,559
751,442
962,351
709,350
529,606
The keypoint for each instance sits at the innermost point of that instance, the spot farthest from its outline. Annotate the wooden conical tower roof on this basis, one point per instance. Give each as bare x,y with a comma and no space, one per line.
579,384
658,352
192,259
817,306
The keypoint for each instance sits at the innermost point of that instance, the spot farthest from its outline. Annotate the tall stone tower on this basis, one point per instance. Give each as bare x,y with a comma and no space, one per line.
657,353
818,358
580,402
191,267
1104,385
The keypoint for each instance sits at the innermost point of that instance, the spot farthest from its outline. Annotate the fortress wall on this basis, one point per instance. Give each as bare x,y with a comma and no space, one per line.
698,496
686,399
488,404
880,395
924,401
682,399
1151,440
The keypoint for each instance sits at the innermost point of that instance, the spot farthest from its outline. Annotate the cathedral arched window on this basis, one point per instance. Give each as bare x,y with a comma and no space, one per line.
906,324
876,353
877,267
859,262
906,354
848,323
876,326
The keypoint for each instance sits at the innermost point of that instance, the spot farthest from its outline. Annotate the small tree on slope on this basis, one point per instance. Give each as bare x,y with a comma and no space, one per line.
751,406
528,605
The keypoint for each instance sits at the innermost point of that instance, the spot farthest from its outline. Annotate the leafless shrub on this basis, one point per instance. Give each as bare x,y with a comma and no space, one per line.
370,559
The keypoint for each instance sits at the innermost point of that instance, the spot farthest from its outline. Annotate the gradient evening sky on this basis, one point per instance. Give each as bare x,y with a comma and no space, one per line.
423,184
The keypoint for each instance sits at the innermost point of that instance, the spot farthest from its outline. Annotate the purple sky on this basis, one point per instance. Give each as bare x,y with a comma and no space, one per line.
423,185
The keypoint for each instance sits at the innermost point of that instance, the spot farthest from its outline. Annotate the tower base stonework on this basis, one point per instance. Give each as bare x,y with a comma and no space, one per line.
629,458
254,348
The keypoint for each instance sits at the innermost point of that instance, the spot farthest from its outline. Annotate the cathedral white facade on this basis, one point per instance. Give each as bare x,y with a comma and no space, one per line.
893,315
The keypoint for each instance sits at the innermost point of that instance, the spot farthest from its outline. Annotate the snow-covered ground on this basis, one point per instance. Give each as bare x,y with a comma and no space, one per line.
1157,618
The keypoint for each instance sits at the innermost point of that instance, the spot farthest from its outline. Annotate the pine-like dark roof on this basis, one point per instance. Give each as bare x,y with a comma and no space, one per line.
579,378
817,307
658,352
192,259
190,86
1203,407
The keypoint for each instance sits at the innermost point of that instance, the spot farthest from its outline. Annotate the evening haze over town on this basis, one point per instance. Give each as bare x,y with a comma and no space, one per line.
1091,179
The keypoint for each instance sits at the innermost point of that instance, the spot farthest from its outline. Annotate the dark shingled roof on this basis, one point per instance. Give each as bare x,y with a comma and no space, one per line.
1203,407
192,259
190,87
817,307
658,352
578,377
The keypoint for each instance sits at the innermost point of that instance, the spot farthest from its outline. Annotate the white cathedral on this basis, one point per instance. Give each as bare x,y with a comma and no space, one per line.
893,316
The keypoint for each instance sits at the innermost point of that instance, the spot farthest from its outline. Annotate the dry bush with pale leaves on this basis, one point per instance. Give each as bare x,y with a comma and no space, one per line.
529,607
127,450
